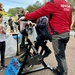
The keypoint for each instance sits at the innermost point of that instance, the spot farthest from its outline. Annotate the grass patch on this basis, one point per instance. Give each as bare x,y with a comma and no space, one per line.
73,12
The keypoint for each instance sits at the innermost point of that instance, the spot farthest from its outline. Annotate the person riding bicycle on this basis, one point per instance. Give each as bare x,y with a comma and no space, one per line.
42,35
59,14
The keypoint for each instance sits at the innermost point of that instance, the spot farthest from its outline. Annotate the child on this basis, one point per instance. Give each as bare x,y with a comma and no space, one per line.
2,43
43,35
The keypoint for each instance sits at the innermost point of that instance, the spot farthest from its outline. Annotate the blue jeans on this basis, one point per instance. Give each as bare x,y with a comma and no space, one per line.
59,42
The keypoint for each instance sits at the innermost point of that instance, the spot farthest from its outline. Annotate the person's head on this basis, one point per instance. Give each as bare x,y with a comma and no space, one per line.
26,11
21,11
1,17
43,20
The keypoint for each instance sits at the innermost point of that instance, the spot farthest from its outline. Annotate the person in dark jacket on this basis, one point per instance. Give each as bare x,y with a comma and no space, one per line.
59,13
42,35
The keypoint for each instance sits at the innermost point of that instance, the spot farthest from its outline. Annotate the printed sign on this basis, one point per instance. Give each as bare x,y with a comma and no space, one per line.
13,67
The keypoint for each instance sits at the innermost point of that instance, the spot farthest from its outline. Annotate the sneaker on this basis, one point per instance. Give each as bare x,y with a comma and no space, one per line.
5,66
46,54
1,68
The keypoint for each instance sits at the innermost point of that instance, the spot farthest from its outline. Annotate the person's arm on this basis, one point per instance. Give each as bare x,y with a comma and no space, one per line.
47,9
3,30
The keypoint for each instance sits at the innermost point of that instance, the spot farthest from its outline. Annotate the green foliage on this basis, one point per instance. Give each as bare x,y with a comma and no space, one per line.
33,7
12,11
71,2
30,8
73,26
73,12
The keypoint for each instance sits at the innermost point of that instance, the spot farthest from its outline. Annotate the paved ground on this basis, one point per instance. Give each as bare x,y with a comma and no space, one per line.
70,56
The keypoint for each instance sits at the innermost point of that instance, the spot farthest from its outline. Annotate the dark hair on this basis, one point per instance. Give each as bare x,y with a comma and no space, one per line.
1,15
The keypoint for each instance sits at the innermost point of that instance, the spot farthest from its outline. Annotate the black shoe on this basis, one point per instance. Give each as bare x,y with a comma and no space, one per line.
46,54
56,71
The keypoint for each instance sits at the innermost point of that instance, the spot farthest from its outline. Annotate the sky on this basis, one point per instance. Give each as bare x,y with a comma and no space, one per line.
7,4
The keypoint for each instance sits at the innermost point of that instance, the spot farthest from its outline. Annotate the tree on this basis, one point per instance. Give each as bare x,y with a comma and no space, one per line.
73,26
33,7
44,1
12,11
30,8
72,2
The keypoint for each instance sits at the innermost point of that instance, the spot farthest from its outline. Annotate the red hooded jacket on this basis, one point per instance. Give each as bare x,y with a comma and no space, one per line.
62,15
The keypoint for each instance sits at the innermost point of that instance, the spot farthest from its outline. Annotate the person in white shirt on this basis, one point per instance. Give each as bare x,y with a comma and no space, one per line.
2,43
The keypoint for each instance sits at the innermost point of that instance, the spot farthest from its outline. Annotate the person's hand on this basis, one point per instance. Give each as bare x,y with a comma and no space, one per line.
29,22
34,24
2,30
1,27
22,18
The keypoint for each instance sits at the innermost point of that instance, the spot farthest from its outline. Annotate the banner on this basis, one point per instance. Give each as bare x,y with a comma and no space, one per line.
13,67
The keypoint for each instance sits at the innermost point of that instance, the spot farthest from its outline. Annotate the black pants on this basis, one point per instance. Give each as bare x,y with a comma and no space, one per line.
23,40
24,33
2,50
42,36
11,28
39,41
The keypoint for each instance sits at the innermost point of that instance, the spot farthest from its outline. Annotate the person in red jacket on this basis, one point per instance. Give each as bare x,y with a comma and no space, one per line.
59,13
